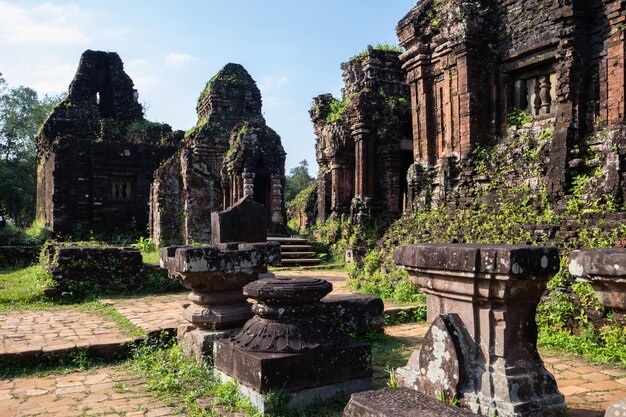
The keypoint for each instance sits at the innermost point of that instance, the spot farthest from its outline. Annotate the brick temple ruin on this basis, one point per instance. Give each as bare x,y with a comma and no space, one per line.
470,64
103,168
364,145
96,153
229,154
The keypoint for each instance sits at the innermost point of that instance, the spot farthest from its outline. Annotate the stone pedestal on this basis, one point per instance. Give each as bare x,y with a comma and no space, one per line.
216,275
481,347
290,345
605,270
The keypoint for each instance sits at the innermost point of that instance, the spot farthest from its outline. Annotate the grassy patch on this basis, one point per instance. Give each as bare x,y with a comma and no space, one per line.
110,313
24,285
179,381
151,258
609,346
75,361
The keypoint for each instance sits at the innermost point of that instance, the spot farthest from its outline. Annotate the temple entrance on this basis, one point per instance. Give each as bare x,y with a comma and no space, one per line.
261,187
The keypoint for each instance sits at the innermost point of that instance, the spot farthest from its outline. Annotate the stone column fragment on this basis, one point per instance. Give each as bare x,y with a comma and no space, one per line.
481,347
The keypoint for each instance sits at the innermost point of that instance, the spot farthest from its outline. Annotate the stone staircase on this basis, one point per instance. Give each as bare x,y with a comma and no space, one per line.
295,251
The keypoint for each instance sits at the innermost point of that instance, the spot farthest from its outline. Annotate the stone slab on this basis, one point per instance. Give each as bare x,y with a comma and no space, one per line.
593,262
355,313
400,402
293,372
517,261
246,221
198,343
302,398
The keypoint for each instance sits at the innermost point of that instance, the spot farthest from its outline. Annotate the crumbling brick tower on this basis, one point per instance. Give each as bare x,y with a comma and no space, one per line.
230,153
469,64
363,142
96,153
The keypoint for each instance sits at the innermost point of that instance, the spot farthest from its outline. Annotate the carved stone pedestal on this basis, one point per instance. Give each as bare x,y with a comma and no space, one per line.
481,347
216,276
291,346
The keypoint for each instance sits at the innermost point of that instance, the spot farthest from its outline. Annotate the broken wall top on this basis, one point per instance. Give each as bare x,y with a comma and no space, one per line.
254,146
228,99
102,104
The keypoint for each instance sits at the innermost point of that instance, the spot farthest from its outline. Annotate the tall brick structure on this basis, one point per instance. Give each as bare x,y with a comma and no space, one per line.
363,142
470,63
96,153
229,154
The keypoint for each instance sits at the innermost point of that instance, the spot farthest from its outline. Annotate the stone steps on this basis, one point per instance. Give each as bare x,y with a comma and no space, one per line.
295,251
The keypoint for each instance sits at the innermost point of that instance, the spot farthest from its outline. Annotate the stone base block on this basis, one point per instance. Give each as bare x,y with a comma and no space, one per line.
401,402
264,372
198,343
302,398
355,313
218,317
617,409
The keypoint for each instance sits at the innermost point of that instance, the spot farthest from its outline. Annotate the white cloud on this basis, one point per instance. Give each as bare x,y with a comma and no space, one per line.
118,34
272,82
141,72
177,59
45,23
53,79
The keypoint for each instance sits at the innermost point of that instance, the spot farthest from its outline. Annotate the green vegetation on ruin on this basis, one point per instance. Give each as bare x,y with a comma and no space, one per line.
569,317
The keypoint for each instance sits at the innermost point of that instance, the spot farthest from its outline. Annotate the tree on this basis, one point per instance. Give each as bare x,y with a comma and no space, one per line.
21,114
297,180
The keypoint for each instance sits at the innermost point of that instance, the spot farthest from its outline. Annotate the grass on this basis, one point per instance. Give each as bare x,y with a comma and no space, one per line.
110,313
24,285
75,361
179,381
151,258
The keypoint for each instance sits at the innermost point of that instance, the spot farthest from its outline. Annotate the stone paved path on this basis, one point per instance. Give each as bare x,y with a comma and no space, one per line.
588,389
152,313
104,392
31,332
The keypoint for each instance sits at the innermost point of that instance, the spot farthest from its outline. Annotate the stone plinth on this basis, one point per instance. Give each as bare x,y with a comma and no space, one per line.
216,275
401,402
246,221
481,347
605,270
290,345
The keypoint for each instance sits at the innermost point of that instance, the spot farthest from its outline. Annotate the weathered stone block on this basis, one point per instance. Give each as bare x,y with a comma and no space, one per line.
354,313
401,402
616,410
92,270
246,221
19,255
605,270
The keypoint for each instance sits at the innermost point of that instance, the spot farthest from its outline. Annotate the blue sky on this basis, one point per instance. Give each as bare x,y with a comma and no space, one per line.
293,49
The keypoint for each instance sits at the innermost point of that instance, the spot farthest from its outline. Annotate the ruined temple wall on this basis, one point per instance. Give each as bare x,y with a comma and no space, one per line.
560,61
358,147
100,187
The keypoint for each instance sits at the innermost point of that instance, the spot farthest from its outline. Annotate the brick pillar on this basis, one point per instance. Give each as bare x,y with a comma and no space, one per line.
481,346
615,63
424,132
363,163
